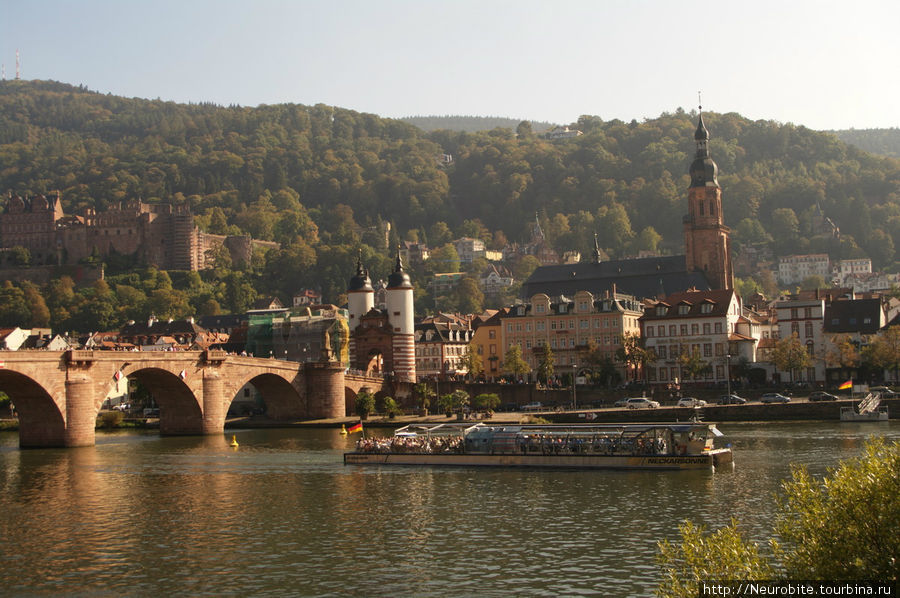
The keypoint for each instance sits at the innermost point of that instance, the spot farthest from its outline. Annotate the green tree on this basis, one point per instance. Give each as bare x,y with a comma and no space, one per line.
632,354
365,403
840,528
513,362
693,364
486,402
884,350
13,309
424,394
471,361
790,355
469,296
546,366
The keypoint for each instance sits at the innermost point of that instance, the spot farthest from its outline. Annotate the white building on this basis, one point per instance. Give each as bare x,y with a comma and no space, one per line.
468,249
845,268
793,269
805,319
708,324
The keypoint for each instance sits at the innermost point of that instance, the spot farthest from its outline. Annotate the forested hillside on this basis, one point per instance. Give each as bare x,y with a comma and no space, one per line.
877,141
470,124
325,182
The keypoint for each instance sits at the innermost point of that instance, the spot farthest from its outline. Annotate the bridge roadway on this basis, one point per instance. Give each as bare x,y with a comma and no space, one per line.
58,394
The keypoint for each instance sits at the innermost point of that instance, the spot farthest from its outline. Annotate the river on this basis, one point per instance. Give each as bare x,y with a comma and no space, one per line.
138,514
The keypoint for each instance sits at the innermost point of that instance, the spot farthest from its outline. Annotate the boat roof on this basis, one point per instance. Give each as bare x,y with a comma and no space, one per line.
448,429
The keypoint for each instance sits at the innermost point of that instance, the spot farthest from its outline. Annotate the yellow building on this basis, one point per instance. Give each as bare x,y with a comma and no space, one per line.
568,325
487,344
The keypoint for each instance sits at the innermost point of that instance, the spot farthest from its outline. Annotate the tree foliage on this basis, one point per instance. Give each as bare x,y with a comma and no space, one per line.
842,528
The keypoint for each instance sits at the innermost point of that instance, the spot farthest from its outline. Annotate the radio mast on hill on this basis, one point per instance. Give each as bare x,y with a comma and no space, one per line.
17,64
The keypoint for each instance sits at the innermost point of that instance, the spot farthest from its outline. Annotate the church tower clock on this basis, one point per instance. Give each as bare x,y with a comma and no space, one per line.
706,238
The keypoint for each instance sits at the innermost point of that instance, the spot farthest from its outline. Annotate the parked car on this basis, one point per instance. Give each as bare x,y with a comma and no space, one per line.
122,407
731,400
536,406
774,397
820,395
691,402
621,403
641,403
886,393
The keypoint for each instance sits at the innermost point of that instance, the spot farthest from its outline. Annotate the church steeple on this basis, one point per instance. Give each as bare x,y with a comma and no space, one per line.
703,169
706,238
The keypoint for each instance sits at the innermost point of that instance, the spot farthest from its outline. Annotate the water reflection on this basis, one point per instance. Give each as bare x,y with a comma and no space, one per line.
138,514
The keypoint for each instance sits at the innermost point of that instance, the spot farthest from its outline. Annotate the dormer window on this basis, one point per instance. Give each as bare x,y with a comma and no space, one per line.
521,310
562,308
706,308
660,310
683,310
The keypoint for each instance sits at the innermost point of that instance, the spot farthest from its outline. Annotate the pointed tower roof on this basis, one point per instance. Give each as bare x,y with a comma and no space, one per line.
398,278
704,171
361,281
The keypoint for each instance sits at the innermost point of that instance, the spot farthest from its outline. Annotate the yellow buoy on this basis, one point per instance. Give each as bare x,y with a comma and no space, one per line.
234,441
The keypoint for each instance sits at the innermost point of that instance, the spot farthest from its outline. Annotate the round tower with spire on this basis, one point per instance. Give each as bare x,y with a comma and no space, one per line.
360,299
706,238
401,318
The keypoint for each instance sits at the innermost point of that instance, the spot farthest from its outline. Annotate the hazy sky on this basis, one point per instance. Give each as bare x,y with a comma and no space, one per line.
819,63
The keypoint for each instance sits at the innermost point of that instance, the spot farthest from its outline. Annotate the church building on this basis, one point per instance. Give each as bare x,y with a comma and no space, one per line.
706,264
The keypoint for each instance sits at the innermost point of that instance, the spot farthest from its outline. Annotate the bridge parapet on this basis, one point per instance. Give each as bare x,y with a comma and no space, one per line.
216,356
76,356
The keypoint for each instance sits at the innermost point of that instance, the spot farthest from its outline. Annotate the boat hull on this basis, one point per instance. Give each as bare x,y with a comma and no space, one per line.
707,460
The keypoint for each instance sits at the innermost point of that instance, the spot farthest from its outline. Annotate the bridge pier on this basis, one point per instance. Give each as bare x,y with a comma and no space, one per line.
213,403
324,389
81,419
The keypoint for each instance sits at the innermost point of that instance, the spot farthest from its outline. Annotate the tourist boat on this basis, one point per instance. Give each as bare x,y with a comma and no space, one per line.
687,445
868,410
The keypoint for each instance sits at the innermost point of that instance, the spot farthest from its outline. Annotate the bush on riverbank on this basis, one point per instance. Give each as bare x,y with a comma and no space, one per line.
841,528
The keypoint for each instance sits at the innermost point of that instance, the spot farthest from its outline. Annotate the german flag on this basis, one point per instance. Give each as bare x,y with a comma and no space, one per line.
846,385
357,427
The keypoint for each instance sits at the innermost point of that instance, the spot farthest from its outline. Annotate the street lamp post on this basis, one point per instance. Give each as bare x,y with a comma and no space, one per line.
574,378
728,372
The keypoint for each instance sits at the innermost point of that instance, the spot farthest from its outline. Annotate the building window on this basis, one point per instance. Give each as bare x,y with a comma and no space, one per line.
672,330
795,328
707,350
683,329
649,331
492,334
661,330
661,351
695,329
706,308
539,308
662,374
718,327
719,350
808,329
706,328
683,310
807,312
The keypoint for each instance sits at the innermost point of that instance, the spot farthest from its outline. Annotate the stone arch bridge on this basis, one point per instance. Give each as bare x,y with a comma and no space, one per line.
58,394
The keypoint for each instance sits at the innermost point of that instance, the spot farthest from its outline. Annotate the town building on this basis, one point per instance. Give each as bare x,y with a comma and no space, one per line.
794,269
570,327
468,249
704,329
495,280
442,342
487,342
804,318
414,254
706,264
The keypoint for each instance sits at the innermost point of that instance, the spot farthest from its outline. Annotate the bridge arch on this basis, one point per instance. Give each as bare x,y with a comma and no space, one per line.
281,397
180,411
42,421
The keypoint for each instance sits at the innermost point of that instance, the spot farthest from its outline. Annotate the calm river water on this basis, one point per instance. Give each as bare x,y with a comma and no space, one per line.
281,515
